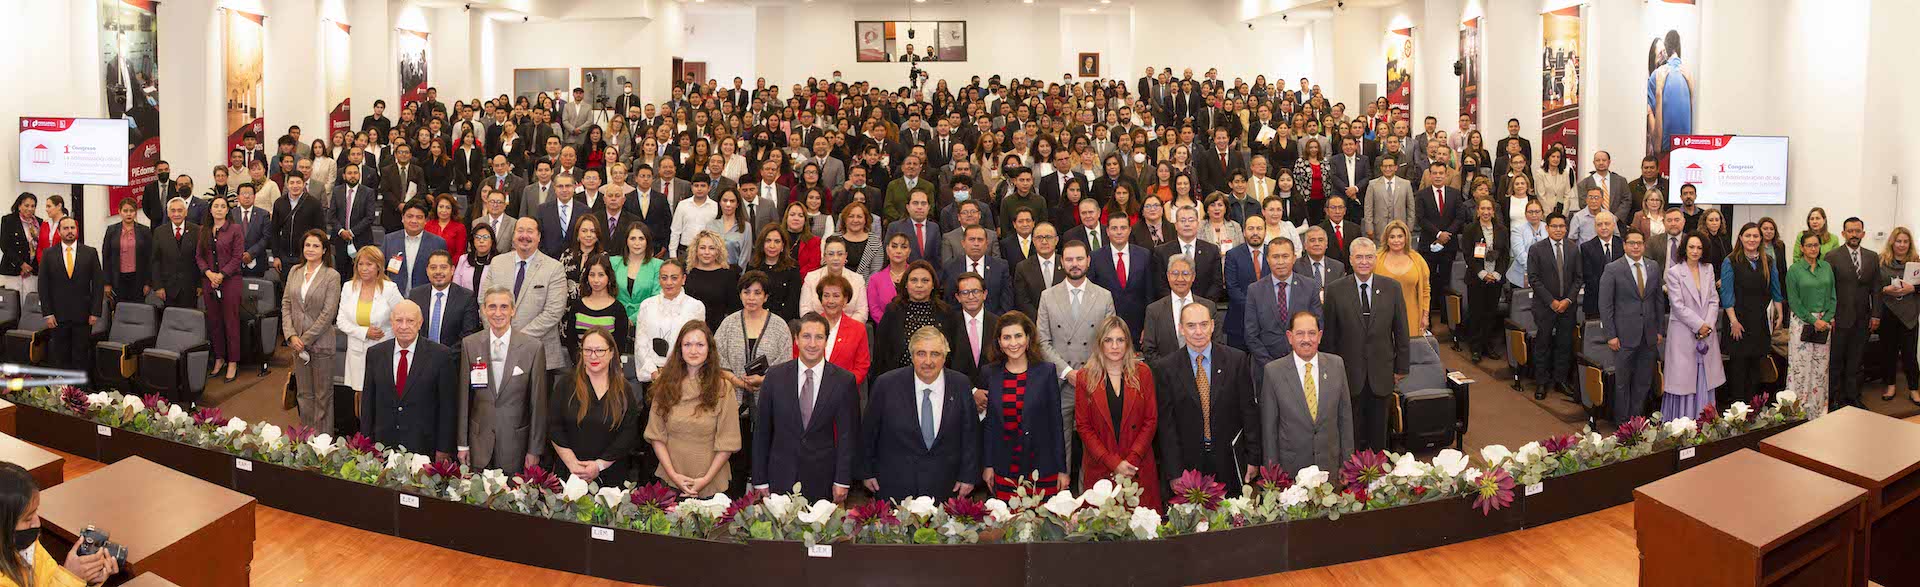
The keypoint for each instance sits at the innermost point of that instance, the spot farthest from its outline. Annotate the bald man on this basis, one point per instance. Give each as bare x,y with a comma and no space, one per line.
409,397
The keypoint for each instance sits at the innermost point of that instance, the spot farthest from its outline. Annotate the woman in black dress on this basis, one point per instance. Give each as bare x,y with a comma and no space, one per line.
917,304
593,418
711,279
773,255
1749,287
1487,258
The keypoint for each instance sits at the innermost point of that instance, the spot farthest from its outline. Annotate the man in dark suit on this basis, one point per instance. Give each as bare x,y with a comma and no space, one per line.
1270,301
920,436
1205,394
154,198
1206,256
1595,255
377,123
127,286
1039,271
1441,214
407,249
979,330
1856,271
1125,271
1216,165
256,225
513,397
410,394
1315,263
1090,230
400,183
175,272
1350,172
351,221
452,313
1054,185
1633,310
1246,263
923,233
70,283
807,421
1161,333
1340,231
1017,244
506,182
1367,327
1553,272
560,217
292,217
974,259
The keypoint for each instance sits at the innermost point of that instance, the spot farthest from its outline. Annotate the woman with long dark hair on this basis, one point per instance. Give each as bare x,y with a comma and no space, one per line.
23,562
593,418
1487,257
772,255
20,235
218,257
596,307
470,270
1021,432
696,417
917,303
308,306
1750,295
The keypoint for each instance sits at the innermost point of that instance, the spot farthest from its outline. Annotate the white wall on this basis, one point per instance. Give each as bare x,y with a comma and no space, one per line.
720,37
59,79
649,43
1018,40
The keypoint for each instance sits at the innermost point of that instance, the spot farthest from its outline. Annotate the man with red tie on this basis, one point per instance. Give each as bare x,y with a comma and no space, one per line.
410,395
1340,231
1440,214
923,231
1125,271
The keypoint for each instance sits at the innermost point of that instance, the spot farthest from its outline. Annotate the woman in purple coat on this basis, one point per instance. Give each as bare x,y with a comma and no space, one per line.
218,255
1693,348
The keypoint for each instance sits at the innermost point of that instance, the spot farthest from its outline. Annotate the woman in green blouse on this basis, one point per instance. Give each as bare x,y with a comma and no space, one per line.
1810,293
1817,224
636,275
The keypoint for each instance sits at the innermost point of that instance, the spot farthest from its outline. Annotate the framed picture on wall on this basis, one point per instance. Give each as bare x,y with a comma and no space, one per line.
528,83
882,41
1089,64
604,85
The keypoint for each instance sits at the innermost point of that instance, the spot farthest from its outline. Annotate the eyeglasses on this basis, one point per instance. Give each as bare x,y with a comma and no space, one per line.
595,352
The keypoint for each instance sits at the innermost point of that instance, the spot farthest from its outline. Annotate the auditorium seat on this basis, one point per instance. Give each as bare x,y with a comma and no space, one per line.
1520,332
176,366
116,359
261,298
9,309
1597,363
27,341
1456,295
1428,411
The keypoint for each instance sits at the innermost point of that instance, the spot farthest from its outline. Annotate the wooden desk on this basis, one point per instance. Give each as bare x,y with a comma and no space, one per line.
7,425
1750,519
189,531
149,580
48,469
1876,453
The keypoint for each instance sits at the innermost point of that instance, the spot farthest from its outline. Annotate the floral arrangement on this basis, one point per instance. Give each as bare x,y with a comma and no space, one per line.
1109,510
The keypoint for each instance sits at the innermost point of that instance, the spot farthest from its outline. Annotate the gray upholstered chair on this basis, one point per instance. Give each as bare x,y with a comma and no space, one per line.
261,323
1520,332
116,359
176,366
26,343
9,309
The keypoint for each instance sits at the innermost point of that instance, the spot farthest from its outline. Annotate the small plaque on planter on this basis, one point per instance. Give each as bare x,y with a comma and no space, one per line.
603,534
1536,488
243,464
820,551
1686,453
103,430
412,501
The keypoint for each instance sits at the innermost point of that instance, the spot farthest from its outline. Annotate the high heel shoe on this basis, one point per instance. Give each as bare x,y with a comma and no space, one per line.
217,366
232,372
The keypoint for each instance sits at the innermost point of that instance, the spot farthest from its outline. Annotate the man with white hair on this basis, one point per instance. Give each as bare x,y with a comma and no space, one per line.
1367,322
410,395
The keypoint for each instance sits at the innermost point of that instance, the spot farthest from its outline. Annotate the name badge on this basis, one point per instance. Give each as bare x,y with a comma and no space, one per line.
478,373
394,263
1480,250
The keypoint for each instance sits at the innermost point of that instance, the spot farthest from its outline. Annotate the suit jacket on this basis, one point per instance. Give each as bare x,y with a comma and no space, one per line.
459,318
1049,187
531,199
1266,324
1214,176
789,450
69,299
1040,431
512,185
1619,197
1009,249
953,243
413,269
1657,249
999,295
503,418
311,317
1184,432
1334,269
962,358
554,236
290,225
393,191
1206,271
1029,282
421,417
174,267
1434,217
1549,285
1379,344
1638,187
1593,265
256,237
1337,245
357,217
893,451
1161,335
1293,437
1388,199
542,300
1632,314
1337,181
929,250
655,212
1129,302
110,253
1855,291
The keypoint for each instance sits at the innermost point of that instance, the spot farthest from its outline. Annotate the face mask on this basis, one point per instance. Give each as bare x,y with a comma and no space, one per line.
959,195
1139,157
27,537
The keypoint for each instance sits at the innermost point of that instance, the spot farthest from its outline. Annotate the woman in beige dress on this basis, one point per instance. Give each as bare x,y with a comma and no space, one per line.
310,305
696,418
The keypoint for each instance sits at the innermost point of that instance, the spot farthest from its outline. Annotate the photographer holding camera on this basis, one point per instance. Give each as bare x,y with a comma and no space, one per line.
23,562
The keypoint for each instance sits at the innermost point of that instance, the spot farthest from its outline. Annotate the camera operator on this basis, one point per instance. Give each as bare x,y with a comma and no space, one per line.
23,562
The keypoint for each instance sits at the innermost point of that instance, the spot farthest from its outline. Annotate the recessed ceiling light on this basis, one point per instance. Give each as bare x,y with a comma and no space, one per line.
1026,1
1106,1
1093,10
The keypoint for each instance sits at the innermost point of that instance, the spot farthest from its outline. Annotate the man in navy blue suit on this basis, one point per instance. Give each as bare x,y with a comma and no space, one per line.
974,259
410,396
1126,271
1351,172
920,436
256,230
1246,263
1266,322
923,233
408,249
561,216
804,432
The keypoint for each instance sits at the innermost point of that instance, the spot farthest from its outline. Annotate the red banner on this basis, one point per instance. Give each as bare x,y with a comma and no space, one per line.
130,52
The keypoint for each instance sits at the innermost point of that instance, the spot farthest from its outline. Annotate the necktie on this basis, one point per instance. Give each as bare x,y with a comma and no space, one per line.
1026,247
1337,238
565,216
1120,267
1187,249
1280,295
920,236
1206,396
519,277
1076,300
806,399
1639,280
976,269
1439,201
973,335
1559,262
926,417
1606,250
439,303
1223,161
400,375
179,232
1319,272
69,261
246,216
1255,254
1366,303
1313,392
1856,261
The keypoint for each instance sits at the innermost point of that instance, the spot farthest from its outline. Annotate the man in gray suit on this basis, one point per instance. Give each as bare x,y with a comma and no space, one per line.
1619,198
1269,309
832,171
1389,198
1316,264
1067,314
1665,247
1633,312
761,207
539,287
1306,417
503,411
953,243
538,192
1161,333
577,115
1367,320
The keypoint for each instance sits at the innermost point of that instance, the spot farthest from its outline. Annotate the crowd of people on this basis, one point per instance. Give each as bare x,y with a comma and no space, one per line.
932,291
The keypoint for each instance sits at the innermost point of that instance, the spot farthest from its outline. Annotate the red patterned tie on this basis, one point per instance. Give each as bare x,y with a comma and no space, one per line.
400,377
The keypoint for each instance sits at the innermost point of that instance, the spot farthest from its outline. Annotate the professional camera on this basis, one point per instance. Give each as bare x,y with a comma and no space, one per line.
94,540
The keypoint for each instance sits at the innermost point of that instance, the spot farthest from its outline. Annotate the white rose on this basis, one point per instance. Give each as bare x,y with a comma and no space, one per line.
396,460
1681,426
779,505
132,402
100,399
1310,477
1407,467
710,507
1786,396
1062,504
1100,493
1293,496
818,513
1595,440
493,480
612,496
1495,454
920,506
1234,505
1471,475
1738,411
997,511
453,492
270,435
1145,523
1530,453
574,488
417,462
322,444
234,426
178,416
1451,462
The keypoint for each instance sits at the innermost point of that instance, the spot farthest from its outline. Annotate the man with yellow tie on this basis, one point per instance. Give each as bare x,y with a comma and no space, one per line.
70,295
1305,415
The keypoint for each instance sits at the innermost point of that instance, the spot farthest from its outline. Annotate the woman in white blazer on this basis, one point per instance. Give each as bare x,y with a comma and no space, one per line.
365,303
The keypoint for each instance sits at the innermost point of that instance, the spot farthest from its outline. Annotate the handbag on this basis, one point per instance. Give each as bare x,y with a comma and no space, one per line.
1809,335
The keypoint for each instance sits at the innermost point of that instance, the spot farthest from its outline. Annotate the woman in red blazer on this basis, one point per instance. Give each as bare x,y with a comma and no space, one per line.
847,343
1115,413
218,255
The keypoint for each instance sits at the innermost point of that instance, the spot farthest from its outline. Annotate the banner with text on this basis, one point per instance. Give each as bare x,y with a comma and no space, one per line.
1470,70
245,77
130,64
336,62
1561,40
1400,72
1673,70
413,66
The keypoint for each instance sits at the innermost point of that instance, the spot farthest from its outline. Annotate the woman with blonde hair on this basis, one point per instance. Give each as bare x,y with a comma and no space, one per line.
696,417
1900,313
365,302
1399,263
1115,412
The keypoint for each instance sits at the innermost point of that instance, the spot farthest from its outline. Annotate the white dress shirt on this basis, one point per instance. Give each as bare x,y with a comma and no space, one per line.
1179,303
691,217
412,357
661,317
